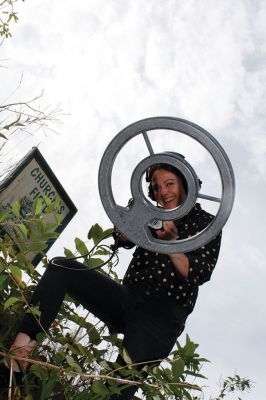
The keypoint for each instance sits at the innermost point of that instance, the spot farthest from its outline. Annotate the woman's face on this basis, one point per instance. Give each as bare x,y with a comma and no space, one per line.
168,188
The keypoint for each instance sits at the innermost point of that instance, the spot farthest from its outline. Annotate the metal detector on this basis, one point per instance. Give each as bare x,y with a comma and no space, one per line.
134,221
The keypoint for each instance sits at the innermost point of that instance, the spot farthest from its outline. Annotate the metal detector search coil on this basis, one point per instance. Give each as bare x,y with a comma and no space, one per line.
133,221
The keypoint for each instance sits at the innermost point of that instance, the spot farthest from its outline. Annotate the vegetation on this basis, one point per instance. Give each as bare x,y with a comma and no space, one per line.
7,16
76,359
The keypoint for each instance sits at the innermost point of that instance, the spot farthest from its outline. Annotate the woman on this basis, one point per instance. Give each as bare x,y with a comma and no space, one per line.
158,291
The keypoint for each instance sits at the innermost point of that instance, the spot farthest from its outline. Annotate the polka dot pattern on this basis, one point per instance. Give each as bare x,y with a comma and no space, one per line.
160,274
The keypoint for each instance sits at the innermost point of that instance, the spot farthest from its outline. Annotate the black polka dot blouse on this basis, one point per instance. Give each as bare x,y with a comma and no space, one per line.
157,273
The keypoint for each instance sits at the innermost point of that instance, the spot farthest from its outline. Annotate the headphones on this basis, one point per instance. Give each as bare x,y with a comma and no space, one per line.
168,167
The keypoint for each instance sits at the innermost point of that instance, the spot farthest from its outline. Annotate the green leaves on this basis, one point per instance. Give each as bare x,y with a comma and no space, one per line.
16,272
94,335
16,209
27,234
233,384
39,371
35,311
126,357
178,367
190,347
3,282
100,388
72,363
23,229
81,247
68,253
38,206
189,355
96,233
3,216
94,262
10,301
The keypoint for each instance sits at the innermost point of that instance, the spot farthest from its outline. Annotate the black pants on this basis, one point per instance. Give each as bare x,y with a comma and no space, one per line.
150,323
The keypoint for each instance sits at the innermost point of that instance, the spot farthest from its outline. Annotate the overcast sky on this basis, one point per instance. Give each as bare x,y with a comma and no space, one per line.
110,63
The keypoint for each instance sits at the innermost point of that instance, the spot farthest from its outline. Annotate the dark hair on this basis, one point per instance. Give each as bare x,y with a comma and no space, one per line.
167,167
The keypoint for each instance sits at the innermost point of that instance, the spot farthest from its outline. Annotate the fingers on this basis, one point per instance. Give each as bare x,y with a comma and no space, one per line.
169,232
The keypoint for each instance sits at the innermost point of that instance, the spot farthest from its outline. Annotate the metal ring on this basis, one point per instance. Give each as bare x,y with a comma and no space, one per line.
133,221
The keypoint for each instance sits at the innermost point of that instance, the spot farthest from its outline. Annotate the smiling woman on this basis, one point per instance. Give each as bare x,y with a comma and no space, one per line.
168,189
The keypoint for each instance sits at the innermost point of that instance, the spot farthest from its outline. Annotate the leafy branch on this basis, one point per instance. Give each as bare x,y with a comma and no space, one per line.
27,117
234,384
7,16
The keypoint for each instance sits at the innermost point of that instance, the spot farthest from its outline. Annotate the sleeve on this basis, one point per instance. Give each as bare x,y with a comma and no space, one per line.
126,244
203,260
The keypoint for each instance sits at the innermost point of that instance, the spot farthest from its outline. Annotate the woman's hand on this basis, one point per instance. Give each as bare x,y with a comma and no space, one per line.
169,231
179,260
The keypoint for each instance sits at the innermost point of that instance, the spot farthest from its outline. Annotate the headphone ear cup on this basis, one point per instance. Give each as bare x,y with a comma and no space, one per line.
151,192
200,183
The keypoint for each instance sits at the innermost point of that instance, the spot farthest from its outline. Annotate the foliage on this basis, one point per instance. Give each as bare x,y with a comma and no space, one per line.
7,15
76,359
233,384
24,118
